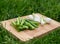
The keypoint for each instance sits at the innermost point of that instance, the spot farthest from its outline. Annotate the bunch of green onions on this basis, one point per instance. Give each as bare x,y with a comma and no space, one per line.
22,24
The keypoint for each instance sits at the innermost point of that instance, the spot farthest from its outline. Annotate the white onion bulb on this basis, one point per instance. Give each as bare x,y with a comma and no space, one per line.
40,19
36,18
48,20
30,17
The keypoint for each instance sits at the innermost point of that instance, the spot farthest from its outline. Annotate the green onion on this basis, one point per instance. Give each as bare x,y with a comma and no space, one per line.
32,23
28,24
22,24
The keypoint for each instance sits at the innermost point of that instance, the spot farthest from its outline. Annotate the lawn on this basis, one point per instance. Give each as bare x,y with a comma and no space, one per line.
13,8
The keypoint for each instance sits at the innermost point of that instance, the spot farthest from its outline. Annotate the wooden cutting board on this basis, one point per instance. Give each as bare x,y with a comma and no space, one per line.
30,34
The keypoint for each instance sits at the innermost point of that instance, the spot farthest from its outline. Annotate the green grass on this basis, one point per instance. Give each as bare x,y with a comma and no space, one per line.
13,8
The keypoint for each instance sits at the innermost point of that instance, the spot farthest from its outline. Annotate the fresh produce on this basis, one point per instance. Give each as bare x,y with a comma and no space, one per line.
23,24
42,20
34,17
30,26
47,20
30,17
30,23
34,23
